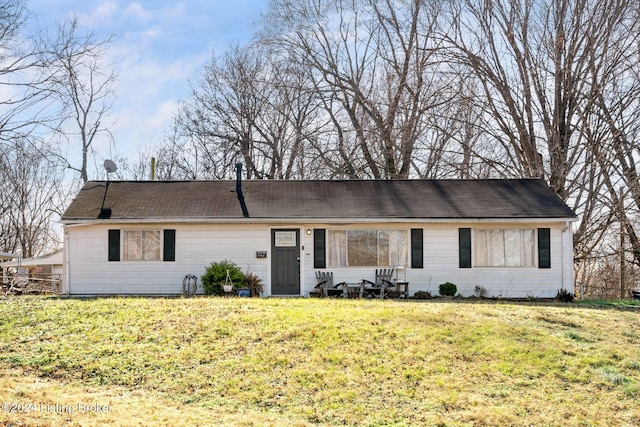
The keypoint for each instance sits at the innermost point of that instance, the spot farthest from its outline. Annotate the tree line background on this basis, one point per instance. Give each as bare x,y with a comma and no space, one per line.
359,89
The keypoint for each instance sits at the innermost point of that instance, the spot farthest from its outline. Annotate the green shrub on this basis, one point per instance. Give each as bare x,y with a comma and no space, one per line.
564,295
216,273
448,289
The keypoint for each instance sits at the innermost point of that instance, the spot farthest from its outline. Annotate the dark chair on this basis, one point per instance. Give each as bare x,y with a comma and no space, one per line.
325,286
378,288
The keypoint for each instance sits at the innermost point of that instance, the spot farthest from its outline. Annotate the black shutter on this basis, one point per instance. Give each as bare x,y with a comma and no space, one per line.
464,247
544,248
417,248
319,248
169,245
114,245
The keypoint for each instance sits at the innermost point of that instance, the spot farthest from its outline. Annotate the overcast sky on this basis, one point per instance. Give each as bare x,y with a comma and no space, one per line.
159,45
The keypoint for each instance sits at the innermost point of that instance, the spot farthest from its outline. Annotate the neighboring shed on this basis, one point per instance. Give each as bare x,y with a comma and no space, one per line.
47,268
513,237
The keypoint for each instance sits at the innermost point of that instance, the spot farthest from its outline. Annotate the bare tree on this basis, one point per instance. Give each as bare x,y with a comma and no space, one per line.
221,112
34,68
23,102
33,195
248,107
374,66
26,177
82,83
614,109
560,96
515,49
176,158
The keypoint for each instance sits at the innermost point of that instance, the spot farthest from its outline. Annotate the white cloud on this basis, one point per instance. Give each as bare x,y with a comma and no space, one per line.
136,10
149,89
163,115
101,15
175,12
142,125
152,33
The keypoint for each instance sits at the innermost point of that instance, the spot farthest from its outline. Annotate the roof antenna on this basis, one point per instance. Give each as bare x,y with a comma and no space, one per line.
110,166
243,205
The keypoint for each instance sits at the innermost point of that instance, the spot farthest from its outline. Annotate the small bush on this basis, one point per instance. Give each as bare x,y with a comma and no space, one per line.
480,292
564,296
422,295
216,273
448,289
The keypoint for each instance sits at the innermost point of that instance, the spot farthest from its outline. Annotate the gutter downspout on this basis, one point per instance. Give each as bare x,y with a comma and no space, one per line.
564,280
243,205
66,275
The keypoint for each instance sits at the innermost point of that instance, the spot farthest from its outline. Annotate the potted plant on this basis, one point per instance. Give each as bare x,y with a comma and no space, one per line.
227,287
254,283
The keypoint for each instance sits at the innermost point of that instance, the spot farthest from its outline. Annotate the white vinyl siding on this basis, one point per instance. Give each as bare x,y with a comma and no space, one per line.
88,271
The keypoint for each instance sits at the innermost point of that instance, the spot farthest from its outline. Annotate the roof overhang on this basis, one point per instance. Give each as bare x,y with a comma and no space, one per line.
306,221
7,255
54,258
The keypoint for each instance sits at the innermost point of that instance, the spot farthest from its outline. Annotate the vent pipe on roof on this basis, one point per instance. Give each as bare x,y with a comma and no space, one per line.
243,205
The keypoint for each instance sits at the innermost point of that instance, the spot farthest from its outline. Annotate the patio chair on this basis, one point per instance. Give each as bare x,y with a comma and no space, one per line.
378,288
325,286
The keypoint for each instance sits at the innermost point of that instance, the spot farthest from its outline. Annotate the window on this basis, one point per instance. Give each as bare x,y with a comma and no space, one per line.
141,245
504,248
367,248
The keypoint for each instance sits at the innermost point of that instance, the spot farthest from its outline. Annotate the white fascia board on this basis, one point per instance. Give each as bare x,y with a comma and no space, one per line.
298,220
7,255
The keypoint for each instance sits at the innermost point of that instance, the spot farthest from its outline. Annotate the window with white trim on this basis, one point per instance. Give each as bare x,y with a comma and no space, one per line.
367,248
504,248
141,245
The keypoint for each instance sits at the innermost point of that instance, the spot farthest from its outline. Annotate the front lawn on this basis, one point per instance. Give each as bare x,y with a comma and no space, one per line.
238,361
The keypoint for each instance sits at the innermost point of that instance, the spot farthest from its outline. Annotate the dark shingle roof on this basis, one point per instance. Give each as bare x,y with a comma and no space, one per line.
269,199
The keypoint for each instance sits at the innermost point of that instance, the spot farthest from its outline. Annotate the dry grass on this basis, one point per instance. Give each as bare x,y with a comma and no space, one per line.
214,361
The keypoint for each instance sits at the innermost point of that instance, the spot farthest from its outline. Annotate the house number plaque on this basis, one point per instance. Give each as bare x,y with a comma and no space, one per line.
261,254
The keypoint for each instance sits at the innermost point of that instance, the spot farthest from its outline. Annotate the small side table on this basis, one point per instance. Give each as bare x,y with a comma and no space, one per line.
402,288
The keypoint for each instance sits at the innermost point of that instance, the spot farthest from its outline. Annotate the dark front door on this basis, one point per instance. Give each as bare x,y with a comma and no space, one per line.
285,262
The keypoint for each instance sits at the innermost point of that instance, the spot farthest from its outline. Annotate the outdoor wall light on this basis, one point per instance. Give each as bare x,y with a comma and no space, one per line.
308,232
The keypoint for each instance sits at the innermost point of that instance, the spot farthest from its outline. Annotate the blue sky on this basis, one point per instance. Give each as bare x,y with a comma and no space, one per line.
159,45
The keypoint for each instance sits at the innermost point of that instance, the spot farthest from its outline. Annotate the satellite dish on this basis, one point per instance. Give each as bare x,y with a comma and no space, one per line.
110,166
